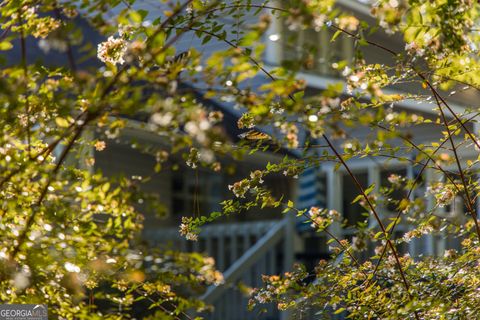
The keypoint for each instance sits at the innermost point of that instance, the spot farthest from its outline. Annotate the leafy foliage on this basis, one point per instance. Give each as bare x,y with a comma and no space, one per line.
70,236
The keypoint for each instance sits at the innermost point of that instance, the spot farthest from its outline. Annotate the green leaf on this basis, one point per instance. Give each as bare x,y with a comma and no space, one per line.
369,189
339,310
335,35
206,39
358,198
143,13
61,122
390,225
5,45
298,95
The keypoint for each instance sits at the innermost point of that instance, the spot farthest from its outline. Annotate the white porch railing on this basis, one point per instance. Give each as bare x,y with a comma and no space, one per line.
271,254
224,242
244,252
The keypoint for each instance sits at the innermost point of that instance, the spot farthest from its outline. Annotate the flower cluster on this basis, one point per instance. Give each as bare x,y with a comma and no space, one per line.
292,171
246,121
322,218
209,274
193,158
197,128
339,247
215,116
415,49
372,198
276,287
256,176
359,243
39,27
451,253
161,156
295,20
395,179
112,51
389,14
136,49
240,188
443,193
52,43
349,23
291,134
100,145
417,233
356,80
187,230
369,77
319,21
198,125
70,12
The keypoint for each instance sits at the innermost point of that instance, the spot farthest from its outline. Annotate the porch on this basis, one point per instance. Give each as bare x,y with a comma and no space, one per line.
243,252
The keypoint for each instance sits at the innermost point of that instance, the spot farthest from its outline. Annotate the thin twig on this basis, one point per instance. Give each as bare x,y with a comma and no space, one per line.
469,201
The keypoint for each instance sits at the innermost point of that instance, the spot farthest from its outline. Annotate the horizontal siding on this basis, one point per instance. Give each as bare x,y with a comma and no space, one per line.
118,159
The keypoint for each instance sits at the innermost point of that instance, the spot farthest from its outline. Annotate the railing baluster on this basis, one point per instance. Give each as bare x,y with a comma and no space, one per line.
246,245
218,310
250,249
224,309
246,282
208,245
231,306
262,268
233,245
247,277
221,250
272,257
269,264
183,244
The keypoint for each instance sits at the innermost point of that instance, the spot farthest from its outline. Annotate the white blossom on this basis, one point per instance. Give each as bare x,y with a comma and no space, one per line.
70,267
112,51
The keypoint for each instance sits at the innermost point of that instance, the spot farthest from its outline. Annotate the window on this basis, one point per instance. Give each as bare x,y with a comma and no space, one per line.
196,192
316,49
353,212
277,184
459,206
315,248
200,192
393,198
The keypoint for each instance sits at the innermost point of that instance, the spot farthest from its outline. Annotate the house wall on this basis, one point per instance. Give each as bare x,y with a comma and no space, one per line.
275,53
119,158
419,134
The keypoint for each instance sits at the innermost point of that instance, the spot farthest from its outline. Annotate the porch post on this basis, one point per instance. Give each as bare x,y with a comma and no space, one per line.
273,52
374,178
429,248
334,198
288,253
413,246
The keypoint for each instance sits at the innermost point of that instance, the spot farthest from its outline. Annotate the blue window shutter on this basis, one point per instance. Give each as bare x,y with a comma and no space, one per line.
311,193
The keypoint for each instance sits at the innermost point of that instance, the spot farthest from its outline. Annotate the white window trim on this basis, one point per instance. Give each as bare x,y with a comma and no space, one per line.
273,54
335,195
